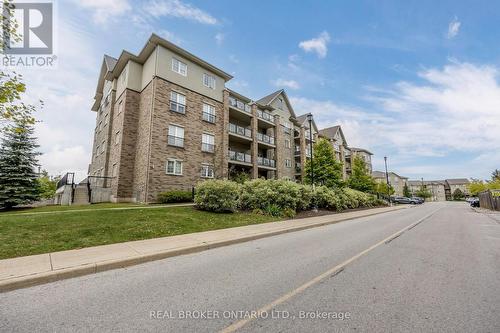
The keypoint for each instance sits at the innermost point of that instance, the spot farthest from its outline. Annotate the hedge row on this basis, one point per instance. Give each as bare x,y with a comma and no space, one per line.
175,196
276,197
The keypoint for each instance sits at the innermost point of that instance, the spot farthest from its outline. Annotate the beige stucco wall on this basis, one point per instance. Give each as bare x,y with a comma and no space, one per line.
194,78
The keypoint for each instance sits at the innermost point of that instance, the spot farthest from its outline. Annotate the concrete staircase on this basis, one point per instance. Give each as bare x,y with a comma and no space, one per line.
81,195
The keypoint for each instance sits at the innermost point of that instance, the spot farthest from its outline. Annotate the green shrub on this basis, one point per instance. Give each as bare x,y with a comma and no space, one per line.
327,198
175,196
357,199
272,195
217,195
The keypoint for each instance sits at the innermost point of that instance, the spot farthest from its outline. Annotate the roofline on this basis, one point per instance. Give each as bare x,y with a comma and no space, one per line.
360,149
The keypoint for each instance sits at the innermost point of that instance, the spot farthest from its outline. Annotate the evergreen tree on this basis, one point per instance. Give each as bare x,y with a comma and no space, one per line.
495,175
360,178
406,191
458,194
18,162
327,170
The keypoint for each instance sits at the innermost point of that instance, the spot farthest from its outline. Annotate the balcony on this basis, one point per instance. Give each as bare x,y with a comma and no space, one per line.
207,147
265,115
241,131
177,107
265,139
239,157
175,141
208,117
266,162
297,151
239,105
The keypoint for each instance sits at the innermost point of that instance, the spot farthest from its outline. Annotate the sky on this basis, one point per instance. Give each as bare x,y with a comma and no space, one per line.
416,81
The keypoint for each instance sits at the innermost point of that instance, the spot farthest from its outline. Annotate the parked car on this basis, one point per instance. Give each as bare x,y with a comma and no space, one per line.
474,202
417,200
401,200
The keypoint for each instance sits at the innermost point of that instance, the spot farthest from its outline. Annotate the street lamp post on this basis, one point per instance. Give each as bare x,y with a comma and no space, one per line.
387,179
310,119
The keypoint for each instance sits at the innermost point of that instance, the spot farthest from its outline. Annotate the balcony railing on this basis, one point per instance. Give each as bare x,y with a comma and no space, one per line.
265,115
240,157
266,162
209,117
207,147
175,141
240,130
265,138
297,150
177,107
236,103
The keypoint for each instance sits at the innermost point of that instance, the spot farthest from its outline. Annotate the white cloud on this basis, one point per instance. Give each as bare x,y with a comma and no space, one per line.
179,9
105,9
317,45
453,28
60,160
286,83
233,59
454,113
219,38
169,36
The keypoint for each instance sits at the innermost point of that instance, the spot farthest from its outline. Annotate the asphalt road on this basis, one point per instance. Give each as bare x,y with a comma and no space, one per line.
443,275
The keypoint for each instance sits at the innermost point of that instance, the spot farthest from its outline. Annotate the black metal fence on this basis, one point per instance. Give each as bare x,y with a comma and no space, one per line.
67,179
490,199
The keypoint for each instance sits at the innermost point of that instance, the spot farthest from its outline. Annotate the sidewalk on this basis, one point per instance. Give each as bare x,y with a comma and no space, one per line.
43,268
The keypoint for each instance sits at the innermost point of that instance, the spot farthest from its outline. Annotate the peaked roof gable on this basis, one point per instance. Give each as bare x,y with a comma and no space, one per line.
267,100
331,132
302,119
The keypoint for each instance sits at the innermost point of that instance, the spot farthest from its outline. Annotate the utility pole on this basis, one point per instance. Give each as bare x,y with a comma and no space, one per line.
387,179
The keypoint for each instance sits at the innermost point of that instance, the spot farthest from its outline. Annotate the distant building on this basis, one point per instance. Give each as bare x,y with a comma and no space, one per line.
440,190
396,181
365,155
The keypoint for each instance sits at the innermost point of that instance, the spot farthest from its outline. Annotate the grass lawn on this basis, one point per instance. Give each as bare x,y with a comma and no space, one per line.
24,235
59,208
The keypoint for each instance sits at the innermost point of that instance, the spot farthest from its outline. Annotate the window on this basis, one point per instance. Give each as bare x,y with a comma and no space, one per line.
288,163
174,167
179,67
209,113
207,171
117,137
175,136
208,143
209,81
115,168
120,107
177,102
100,125
106,119
103,146
97,151
287,143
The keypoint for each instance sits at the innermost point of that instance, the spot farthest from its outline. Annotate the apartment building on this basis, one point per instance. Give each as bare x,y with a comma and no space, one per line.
396,181
441,190
336,136
165,120
365,155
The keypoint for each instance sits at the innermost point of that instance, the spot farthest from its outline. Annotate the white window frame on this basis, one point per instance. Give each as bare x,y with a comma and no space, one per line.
287,143
207,170
179,100
209,113
179,67
288,163
208,81
177,132
103,147
117,137
176,163
210,141
120,107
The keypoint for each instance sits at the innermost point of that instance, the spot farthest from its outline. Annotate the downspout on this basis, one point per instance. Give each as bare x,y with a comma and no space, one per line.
151,125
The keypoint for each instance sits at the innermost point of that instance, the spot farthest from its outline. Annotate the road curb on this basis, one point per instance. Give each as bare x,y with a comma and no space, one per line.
87,269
